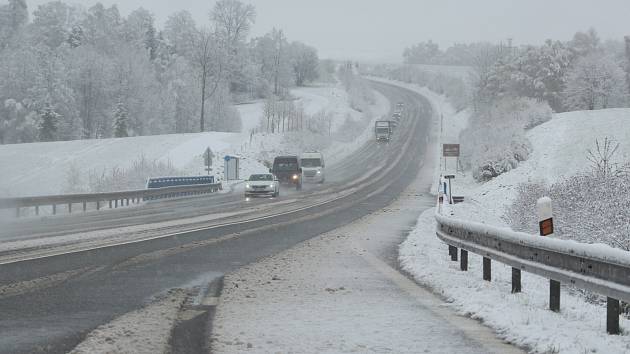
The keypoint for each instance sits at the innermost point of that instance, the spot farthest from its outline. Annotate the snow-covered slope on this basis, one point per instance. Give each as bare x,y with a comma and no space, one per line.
42,168
559,150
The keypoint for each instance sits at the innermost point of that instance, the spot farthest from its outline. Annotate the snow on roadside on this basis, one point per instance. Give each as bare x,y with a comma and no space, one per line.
147,330
523,319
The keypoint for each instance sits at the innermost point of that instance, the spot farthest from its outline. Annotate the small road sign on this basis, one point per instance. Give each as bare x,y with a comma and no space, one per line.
208,157
450,150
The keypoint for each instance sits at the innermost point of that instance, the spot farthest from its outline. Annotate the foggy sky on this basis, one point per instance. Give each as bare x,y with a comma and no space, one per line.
381,29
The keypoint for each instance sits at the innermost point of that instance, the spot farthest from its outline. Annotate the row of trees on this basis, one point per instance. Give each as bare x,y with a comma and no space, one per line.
71,73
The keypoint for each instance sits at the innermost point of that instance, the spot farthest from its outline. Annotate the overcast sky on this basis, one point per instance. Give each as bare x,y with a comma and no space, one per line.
381,29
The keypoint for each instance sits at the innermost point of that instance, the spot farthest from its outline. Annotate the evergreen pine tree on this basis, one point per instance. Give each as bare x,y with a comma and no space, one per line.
120,121
48,124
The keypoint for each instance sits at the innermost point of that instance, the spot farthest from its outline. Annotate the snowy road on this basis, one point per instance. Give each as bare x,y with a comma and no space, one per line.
341,293
50,304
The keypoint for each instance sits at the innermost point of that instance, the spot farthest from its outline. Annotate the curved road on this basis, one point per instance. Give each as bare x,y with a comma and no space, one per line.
79,291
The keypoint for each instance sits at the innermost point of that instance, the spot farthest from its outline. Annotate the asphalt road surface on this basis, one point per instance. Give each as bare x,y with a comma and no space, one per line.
74,293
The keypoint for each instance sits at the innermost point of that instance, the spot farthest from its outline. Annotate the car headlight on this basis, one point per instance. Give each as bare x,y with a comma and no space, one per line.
295,176
319,172
271,186
247,186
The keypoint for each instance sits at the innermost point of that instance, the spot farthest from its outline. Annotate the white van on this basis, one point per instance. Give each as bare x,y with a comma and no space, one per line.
313,166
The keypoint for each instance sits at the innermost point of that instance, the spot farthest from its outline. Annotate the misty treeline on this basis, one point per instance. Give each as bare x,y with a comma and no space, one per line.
74,73
510,89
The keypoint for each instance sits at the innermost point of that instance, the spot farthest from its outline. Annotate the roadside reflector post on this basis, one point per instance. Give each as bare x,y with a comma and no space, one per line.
544,210
452,250
487,269
516,280
612,316
464,261
450,187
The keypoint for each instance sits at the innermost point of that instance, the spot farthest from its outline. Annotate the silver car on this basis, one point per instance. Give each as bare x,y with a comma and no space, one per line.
264,184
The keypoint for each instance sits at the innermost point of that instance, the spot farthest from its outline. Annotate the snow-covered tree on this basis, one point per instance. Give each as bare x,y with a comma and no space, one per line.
48,124
595,81
121,117
53,22
305,63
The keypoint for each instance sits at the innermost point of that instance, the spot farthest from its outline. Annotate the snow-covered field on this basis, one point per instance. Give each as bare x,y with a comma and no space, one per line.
559,150
42,168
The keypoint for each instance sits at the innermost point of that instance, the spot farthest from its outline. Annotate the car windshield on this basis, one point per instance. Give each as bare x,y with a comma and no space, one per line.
265,177
311,162
286,165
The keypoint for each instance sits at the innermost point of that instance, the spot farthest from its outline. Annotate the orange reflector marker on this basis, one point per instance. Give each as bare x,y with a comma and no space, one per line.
546,227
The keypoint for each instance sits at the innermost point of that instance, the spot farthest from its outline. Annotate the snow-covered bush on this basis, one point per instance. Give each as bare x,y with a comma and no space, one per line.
527,112
495,141
116,178
360,94
595,81
589,207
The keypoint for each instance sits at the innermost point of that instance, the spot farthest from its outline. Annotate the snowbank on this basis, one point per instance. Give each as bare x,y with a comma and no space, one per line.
41,168
559,150
147,330
523,319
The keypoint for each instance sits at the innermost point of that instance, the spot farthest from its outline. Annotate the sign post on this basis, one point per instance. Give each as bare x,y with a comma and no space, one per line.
545,224
208,157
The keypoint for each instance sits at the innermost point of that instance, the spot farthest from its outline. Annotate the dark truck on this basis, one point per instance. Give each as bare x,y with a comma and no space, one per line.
383,130
288,170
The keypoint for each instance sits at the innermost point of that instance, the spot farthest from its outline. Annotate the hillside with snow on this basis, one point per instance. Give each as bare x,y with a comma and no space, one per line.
559,150
44,168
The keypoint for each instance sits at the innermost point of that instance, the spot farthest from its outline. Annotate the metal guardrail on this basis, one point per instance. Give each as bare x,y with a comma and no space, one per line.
113,199
597,268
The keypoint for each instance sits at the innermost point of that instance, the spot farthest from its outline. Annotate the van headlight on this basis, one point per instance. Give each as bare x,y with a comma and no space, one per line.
319,172
247,186
295,176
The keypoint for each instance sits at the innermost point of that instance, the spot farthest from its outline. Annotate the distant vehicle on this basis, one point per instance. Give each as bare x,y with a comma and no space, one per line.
397,116
400,105
313,166
288,170
383,130
262,184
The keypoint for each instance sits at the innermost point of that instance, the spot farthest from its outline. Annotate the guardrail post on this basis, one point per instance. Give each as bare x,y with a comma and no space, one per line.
37,210
84,207
516,280
487,269
116,204
127,201
612,316
110,204
69,208
554,295
464,261
17,212
452,250
98,205
54,209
